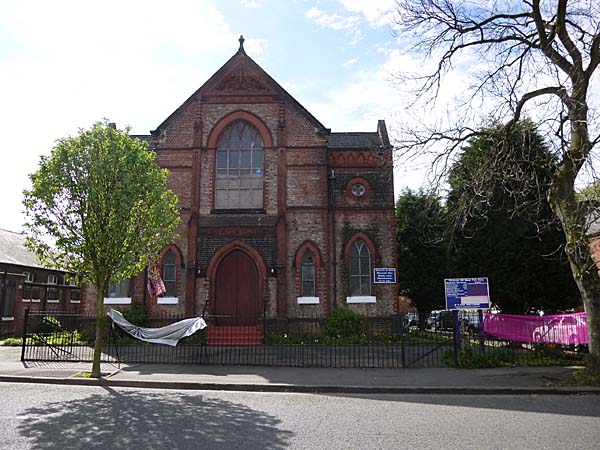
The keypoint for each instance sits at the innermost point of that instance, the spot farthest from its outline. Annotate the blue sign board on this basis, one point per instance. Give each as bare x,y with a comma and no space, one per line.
467,293
385,275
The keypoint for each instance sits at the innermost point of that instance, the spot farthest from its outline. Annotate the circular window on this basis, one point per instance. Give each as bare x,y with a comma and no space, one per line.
358,189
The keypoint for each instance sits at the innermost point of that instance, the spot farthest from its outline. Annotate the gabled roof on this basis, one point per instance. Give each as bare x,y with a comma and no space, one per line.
13,250
361,140
354,140
237,60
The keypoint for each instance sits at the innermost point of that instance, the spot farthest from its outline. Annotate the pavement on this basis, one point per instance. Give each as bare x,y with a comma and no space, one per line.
496,381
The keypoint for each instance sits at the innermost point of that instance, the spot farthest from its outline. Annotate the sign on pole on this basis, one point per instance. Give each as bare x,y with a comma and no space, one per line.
384,275
467,293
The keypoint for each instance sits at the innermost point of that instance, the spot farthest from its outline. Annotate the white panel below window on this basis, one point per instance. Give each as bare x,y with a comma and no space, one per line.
167,300
7,319
117,301
308,300
76,301
361,299
52,301
35,300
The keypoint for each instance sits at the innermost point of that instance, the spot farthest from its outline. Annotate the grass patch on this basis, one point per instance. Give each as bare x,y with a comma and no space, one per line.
509,357
88,374
12,342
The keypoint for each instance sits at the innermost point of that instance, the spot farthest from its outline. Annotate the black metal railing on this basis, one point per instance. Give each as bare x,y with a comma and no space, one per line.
340,340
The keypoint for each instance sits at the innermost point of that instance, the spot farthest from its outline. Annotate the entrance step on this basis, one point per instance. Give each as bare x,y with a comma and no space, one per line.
234,335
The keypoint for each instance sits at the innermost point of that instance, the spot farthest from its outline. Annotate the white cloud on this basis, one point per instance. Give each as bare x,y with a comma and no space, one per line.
376,12
252,3
72,63
349,24
350,62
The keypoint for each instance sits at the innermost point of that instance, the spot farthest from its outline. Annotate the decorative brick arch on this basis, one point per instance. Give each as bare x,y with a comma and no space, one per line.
372,253
216,131
215,260
353,239
179,262
312,247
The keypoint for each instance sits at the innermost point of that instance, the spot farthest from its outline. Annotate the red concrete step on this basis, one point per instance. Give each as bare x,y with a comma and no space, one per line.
234,335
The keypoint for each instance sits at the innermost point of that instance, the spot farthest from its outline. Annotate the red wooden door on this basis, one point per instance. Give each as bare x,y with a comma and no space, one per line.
237,290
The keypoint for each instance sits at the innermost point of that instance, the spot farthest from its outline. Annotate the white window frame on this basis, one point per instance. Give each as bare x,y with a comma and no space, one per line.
121,300
29,277
54,278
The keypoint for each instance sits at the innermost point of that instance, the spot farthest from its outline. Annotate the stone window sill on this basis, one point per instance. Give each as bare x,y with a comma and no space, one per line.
361,299
167,300
308,300
117,301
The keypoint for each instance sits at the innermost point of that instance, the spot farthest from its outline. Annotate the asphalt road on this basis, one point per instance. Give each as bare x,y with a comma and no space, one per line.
35,416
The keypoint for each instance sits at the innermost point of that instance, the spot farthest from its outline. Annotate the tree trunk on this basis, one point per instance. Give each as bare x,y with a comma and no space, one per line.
100,327
574,220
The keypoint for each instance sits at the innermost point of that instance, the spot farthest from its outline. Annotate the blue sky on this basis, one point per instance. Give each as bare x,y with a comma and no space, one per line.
68,63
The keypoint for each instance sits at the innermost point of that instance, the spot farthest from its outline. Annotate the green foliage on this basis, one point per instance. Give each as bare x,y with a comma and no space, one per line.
12,342
590,193
103,201
136,314
543,355
99,207
344,323
422,261
500,216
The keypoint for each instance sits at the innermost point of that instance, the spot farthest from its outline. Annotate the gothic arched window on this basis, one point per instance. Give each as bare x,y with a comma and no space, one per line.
360,269
239,167
308,274
170,274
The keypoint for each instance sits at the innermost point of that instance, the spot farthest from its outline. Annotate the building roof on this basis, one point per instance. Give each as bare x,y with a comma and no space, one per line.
147,138
13,250
363,140
376,140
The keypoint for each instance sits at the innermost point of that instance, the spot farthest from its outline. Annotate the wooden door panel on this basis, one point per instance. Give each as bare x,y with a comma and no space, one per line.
237,290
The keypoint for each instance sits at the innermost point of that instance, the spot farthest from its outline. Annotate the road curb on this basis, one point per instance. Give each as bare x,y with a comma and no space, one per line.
311,389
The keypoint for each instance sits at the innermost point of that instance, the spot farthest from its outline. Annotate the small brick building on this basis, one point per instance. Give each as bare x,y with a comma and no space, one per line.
25,283
280,216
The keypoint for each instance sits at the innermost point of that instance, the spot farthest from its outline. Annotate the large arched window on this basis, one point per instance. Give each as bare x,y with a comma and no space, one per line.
360,269
239,177
170,274
308,274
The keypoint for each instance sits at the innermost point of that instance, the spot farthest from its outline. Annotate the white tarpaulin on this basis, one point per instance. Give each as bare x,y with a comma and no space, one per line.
170,335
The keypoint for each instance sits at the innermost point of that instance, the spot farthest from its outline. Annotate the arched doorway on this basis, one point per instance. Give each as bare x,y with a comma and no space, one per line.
237,290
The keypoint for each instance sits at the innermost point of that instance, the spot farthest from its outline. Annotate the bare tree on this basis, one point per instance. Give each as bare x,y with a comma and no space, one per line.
527,58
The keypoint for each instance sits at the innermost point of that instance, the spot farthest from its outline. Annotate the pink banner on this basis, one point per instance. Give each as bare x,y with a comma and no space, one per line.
565,329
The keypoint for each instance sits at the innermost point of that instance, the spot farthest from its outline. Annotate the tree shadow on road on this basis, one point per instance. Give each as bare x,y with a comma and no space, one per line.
570,405
128,419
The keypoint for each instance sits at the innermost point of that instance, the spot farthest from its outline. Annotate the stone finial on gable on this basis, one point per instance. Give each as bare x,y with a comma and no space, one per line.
241,49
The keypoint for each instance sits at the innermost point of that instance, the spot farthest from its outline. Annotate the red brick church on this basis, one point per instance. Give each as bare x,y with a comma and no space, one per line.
281,217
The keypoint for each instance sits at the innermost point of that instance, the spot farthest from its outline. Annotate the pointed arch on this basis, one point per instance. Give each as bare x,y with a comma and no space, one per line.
216,131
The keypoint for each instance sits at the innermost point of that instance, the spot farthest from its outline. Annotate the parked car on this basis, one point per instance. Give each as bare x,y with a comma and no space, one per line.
560,330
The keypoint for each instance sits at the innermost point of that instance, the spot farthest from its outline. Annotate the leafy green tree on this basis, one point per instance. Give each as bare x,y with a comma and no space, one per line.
99,207
421,251
525,59
508,232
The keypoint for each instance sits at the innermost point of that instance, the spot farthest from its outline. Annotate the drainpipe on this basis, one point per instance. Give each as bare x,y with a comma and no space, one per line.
333,243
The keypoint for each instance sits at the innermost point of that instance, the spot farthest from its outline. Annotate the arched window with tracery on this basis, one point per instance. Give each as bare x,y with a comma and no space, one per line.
308,274
360,269
170,274
239,167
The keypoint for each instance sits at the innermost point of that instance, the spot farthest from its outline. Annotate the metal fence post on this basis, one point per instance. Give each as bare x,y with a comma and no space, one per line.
456,333
480,328
25,324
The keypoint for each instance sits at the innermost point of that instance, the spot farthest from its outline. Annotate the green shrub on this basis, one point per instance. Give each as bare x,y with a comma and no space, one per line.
13,342
136,314
343,323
